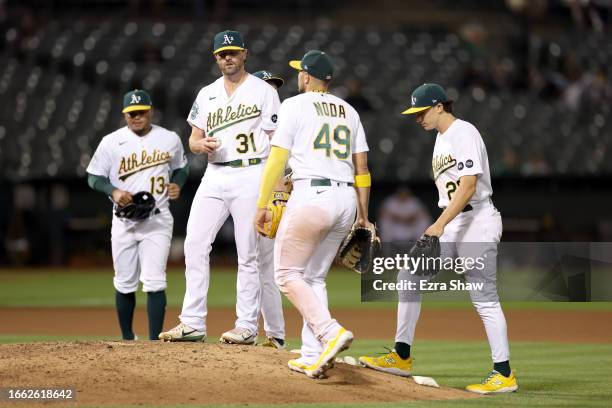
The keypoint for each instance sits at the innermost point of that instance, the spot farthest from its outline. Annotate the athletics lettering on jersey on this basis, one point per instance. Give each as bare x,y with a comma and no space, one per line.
139,163
329,109
224,118
442,163
458,152
240,121
131,164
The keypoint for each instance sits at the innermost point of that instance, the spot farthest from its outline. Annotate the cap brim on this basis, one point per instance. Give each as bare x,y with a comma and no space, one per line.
276,80
296,65
133,108
415,109
231,47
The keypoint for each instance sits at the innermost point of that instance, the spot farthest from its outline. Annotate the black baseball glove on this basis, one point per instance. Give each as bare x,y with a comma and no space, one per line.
143,203
428,249
358,249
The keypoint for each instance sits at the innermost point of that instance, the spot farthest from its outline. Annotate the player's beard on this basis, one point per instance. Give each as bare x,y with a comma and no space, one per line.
231,70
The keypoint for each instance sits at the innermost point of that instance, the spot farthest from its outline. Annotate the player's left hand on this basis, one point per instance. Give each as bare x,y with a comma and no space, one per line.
435,230
174,191
261,217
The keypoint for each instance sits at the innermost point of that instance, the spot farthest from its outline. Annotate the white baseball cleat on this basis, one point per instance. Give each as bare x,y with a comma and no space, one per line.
342,341
239,335
182,332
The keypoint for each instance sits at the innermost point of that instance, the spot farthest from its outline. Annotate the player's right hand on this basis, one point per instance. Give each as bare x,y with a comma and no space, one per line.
362,222
206,145
121,198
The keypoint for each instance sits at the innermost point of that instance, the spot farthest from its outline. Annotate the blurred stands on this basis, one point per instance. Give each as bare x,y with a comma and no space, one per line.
61,88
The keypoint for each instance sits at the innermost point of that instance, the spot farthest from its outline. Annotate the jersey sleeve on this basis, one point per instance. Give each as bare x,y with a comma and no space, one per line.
179,159
287,127
196,116
468,150
100,164
360,145
270,108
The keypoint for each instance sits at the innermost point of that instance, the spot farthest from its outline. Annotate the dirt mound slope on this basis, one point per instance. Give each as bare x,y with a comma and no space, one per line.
153,373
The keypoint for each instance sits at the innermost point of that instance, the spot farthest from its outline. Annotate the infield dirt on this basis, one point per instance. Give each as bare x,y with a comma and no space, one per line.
154,373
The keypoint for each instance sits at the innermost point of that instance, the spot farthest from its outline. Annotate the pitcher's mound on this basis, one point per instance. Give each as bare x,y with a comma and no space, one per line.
154,373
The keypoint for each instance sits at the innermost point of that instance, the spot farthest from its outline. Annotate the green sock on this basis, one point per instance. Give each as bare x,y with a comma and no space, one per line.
125,304
402,350
156,309
503,368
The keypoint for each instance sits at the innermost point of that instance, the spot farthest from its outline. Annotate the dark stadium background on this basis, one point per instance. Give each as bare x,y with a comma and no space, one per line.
533,76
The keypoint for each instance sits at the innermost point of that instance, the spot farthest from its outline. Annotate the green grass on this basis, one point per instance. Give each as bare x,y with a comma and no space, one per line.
94,288
549,374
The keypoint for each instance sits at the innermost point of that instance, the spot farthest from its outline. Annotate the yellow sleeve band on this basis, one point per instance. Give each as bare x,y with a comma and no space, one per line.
275,167
363,180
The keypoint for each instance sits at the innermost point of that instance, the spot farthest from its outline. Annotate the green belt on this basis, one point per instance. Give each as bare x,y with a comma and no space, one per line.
239,163
325,183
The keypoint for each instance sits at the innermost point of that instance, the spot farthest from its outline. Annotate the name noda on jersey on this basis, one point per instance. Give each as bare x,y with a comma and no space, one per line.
139,163
322,132
239,121
459,152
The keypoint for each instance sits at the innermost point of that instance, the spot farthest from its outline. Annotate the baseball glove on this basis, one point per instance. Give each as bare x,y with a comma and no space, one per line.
358,248
143,203
276,209
428,247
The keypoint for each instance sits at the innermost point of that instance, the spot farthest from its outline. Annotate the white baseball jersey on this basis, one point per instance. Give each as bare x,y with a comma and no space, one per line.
139,163
238,121
323,141
459,152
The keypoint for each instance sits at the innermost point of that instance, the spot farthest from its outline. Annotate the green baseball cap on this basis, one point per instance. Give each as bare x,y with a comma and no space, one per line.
426,96
136,100
316,63
228,40
269,77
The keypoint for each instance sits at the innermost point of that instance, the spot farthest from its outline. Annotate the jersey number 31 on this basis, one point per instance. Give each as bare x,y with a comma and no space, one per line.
341,143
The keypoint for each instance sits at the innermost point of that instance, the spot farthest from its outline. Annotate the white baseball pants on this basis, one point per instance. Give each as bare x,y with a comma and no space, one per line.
140,252
314,224
270,296
471,234
223,191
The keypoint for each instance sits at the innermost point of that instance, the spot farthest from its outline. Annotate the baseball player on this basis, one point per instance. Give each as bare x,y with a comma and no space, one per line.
232,120
469,226
271,302
328,149
140,157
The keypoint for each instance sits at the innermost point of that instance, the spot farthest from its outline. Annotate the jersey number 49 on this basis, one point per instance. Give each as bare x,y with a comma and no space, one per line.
341,145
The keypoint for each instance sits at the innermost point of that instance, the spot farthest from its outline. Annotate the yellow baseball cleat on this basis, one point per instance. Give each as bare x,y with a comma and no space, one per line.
342,341
495,383
390,363
298,365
